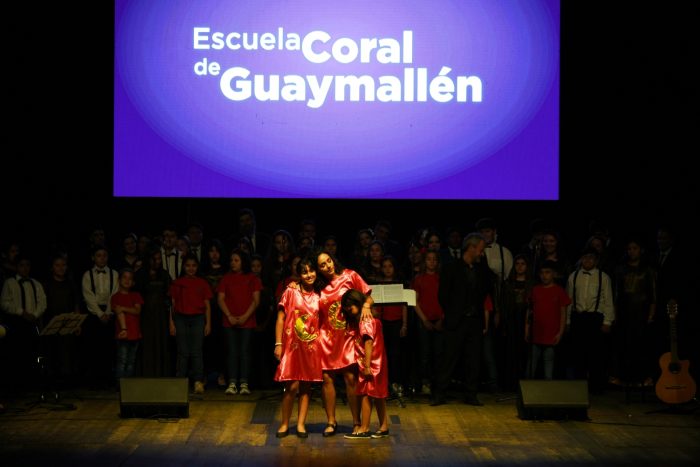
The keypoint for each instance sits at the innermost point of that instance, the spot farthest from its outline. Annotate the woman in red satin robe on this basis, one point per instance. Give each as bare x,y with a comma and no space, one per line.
297,345
336,340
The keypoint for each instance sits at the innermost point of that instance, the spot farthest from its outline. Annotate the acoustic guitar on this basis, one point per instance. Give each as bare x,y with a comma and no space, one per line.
675,385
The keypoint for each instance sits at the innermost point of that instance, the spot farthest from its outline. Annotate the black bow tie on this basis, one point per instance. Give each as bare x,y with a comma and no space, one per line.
23,280
101,271
587,272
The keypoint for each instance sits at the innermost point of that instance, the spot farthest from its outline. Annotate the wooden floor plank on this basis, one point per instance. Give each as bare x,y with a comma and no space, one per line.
241,431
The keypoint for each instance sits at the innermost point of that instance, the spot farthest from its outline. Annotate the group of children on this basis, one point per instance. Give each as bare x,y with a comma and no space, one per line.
237,294
298,328
190,321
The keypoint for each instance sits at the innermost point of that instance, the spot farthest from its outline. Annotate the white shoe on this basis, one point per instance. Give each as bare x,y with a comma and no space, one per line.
231,389
244,389
198,387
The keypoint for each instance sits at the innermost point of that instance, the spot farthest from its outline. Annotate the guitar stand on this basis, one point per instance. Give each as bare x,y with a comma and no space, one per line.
630,389
677,409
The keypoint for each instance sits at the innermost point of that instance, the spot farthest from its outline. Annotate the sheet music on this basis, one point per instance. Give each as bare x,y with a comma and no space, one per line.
393,293
63,324
72,322
409,295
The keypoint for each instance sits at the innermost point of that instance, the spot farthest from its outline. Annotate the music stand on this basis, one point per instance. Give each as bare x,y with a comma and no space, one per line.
63,324
60,325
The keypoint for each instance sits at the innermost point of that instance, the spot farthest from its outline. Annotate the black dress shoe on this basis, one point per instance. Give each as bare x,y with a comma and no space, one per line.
473,401
282,434
302,434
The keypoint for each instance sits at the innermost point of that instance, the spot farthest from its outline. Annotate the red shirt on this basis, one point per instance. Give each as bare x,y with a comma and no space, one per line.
189,295
238,290
281,285
391,312
547,303
488,303
133,322
426,286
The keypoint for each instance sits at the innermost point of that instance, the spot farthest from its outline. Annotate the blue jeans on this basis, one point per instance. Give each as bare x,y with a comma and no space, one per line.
546,353
189,336
126,358
239,357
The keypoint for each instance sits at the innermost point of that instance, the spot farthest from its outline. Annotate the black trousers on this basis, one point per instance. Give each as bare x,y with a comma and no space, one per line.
463,341
19,370
98,351
589,349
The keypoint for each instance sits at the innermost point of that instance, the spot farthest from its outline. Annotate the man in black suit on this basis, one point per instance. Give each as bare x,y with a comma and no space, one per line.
463,288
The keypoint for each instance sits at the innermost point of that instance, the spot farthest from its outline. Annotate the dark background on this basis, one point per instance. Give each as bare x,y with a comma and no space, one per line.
628,124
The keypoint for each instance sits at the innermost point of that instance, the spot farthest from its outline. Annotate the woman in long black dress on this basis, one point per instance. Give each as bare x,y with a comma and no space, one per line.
515,304
152,282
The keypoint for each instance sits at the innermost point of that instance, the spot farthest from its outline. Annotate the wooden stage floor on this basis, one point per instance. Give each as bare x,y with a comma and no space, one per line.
240,430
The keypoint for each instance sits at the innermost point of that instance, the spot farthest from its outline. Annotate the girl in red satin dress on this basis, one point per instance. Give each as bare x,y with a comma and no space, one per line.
297,345
337,342
373,380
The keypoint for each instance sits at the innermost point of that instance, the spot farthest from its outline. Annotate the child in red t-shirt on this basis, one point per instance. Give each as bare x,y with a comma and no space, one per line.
127,306
546,321
430,313
190,321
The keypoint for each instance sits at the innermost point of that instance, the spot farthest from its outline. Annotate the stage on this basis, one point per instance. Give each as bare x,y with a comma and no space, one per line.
240,430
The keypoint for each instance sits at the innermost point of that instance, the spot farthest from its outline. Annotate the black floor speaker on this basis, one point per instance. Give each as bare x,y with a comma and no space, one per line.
154,397
553,400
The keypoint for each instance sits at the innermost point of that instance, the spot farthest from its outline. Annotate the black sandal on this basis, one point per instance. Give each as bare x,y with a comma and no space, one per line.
334,425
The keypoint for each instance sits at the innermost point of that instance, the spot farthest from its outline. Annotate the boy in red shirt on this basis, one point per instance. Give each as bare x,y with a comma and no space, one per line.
546,321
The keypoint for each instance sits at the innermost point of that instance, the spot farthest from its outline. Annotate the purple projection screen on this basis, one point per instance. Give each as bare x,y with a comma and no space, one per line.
396,99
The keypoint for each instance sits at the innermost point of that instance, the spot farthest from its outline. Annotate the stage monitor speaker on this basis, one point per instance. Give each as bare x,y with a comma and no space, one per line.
553,400
154,397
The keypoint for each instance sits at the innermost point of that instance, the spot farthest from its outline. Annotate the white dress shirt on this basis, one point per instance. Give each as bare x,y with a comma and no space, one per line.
34,297
500,265
172,262
587,294
100,296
